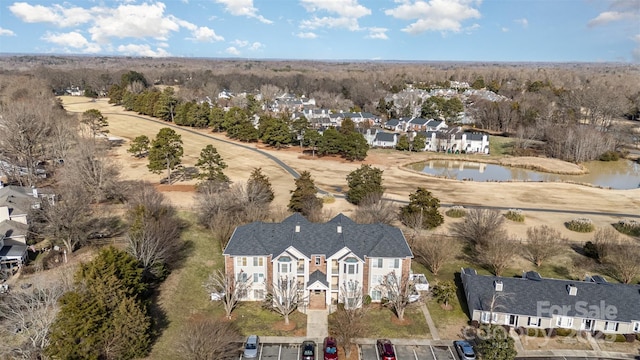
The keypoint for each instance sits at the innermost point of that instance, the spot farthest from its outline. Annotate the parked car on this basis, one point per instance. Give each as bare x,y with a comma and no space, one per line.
308,350
330,348
251,347
385,349
464,350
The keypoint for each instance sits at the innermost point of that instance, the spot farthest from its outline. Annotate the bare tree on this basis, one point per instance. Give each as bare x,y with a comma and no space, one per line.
31,312
89,167
348,323
67,219
397,290
479,226
623,262
284,296
373,209
206,339
496,252
435,250
229,287
153,237
543,242
604,240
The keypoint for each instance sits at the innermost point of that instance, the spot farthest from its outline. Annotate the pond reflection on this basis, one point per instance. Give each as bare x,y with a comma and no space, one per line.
621,174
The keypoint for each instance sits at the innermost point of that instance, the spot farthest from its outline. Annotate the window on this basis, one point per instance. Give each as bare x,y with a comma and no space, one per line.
394,263
241,261
636,326
376,295
534,321
283,267
611,326
242,276
258,294
564,322
258,277
258,261
487,315
318,260
377,263
350,268
376,279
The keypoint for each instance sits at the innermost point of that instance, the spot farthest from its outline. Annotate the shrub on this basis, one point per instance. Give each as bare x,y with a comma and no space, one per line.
620,338
564,332
329,199
536,332
551,332
630,337
610,156
515,215
638,336
520,330
456,211
590,250
475,324
366,300
628,227
583,225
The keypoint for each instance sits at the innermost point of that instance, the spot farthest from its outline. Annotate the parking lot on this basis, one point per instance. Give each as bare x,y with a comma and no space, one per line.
367,352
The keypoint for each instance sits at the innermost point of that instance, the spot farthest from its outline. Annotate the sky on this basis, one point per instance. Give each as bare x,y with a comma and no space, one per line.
411,30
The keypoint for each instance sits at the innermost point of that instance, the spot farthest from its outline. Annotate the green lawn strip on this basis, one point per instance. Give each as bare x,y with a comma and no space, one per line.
182,294
381,323
500,145
251,318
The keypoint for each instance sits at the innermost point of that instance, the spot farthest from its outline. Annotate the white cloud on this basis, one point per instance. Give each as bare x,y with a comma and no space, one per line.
133,21
240,43
609,16
505,29
142,50
307,35
232,50
256,46
343,8
330,22
73,40
435,15
6,32
619,10
205,34
55,14
522,22
243,8
378,33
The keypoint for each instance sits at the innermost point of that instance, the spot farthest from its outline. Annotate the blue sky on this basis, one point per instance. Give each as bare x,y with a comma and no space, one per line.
420,30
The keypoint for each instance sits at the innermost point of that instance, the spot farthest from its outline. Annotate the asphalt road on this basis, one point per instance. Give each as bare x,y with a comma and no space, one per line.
295,175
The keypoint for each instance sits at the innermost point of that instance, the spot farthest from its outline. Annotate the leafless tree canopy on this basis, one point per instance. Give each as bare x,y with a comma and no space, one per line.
284,296
543,242
154,230
435,250
372,210
604,241
348,323
479,226
206,339
623,261
232,289
496,253
397,289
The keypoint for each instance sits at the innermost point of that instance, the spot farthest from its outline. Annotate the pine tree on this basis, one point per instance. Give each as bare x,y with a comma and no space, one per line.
403,143
139,146
303,198
362,182
259,183
422,206
165,152
211,165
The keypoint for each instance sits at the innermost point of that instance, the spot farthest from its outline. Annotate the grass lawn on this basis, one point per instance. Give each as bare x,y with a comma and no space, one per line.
251,318
500,145
383,323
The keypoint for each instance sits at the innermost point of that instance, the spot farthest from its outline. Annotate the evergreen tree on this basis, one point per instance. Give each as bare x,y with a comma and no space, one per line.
94,119
139,146
303,198
419,143
277,133
211,165
165,152
354,146
330,143
444,292
362,182
300,127
259,182
311,139
216,117
403,143
496,344
167,104
423,206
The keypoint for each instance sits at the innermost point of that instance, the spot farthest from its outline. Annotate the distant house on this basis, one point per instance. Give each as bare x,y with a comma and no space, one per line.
455,140
532,301
321,257
385,140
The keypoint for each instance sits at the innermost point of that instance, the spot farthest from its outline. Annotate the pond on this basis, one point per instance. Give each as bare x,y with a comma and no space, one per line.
622,174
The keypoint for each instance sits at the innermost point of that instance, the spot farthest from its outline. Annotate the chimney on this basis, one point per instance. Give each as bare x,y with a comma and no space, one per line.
573,291
339,229
497,285
297,228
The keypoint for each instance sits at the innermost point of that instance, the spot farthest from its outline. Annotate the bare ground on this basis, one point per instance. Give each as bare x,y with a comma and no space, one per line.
330,174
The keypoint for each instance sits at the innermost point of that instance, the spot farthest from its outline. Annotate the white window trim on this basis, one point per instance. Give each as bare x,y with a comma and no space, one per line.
608,324
377,263
565,322
258,261
534,321
636,326
484,317
318,260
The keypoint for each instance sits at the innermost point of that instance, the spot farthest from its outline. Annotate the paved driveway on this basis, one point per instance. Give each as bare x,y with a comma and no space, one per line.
411,352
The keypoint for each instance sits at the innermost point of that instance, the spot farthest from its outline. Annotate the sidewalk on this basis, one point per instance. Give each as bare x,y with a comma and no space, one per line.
317,325
432,326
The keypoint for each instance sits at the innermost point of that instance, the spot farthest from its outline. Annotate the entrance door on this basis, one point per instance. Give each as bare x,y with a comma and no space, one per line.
513,320
587,324
317,299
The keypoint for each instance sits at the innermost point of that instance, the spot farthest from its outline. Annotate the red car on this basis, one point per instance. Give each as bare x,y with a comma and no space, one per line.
385,349
330,348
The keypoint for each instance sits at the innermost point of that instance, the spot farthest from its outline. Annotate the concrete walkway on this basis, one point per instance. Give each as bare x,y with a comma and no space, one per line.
432,326
317,325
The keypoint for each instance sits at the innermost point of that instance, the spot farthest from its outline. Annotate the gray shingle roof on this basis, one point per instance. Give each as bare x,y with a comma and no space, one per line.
384,136
371,240
318,276
523,296
10,228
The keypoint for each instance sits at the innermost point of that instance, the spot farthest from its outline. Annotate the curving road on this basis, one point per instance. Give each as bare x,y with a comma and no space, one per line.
295,174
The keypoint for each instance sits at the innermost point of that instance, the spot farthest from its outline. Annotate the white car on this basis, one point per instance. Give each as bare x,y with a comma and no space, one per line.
419,281
216,296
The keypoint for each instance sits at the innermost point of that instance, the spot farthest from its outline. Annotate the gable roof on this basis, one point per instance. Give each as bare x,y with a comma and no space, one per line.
524,295
418,121
385,136
392,122
264,239
10,228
